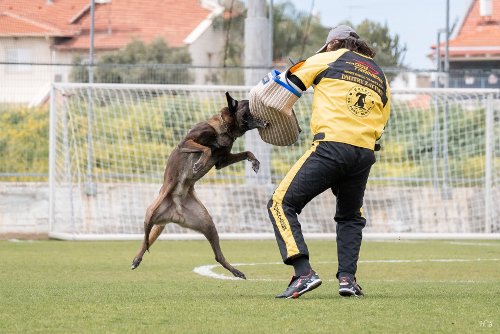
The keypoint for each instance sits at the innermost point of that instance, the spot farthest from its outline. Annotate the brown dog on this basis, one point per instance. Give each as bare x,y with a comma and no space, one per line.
206,145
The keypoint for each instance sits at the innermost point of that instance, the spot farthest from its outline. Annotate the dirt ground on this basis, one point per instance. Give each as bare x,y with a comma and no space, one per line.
24,236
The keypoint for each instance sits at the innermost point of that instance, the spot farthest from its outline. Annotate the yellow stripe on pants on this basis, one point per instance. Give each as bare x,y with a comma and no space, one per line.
277,207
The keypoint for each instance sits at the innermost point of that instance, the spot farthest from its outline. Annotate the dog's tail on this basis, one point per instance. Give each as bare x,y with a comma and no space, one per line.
147,229
149,221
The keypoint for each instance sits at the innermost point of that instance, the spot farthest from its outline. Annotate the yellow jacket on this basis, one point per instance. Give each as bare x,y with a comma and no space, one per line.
351,102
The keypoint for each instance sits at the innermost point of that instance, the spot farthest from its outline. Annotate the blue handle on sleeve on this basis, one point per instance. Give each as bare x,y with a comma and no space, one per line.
275,75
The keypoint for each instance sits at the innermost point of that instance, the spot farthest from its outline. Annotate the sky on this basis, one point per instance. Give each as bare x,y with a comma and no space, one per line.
415,21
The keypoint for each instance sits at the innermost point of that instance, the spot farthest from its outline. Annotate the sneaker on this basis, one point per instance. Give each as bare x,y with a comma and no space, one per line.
348,286
301,284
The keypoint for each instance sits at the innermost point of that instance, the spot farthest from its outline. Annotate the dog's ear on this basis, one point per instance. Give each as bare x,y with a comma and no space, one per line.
231,103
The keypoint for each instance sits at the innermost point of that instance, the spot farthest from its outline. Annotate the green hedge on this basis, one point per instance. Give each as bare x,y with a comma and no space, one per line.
24,142
143,132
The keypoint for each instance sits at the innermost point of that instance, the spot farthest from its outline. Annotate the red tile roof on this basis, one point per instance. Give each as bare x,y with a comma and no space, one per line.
478,36
116,22
54,17
13,25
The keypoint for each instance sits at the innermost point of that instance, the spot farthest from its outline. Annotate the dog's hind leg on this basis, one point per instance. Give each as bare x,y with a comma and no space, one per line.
152,227
197,218
153,235
211,234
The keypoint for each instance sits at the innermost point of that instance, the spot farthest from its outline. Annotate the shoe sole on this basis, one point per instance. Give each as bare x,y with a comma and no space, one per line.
346,292
311,287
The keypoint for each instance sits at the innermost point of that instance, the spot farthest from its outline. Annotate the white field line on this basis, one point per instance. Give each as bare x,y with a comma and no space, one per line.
207,271
465,243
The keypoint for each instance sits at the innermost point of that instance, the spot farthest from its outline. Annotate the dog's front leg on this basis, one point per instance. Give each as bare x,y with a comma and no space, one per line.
255,162
190,146
230,159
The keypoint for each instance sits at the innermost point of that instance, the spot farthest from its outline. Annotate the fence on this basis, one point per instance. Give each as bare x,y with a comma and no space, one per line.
444,142
29,83
438,171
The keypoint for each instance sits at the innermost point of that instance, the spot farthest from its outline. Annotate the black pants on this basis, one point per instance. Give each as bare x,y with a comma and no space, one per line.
340,167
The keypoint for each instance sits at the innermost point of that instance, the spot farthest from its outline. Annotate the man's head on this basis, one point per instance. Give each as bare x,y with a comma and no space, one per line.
339,33
344,36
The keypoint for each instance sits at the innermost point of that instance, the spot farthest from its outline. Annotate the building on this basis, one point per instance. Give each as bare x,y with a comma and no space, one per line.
49,32
474,48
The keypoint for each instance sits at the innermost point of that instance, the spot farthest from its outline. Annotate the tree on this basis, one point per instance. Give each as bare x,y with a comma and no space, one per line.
390,53
231,24
298,35
155,63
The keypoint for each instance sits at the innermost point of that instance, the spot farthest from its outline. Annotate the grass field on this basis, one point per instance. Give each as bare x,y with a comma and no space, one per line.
87,287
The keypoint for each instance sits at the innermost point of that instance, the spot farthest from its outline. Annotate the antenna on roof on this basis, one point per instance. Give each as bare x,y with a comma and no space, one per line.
485,8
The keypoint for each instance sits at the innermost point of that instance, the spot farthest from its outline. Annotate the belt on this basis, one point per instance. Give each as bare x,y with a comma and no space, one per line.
321,136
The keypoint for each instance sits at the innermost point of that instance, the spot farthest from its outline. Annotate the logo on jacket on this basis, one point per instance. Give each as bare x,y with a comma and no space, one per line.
360,101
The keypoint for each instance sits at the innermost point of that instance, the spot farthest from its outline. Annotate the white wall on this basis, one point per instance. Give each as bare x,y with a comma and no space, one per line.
29,83
206,51
24,209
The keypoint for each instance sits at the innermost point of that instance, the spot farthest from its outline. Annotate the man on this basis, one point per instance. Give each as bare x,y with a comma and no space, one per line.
350,109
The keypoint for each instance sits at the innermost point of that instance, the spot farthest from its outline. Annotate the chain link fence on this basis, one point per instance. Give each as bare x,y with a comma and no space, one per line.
25,87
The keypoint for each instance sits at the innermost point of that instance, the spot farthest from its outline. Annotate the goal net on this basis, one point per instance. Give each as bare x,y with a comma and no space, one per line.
438,172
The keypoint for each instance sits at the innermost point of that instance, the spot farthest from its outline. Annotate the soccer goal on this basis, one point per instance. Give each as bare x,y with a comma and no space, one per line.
437,175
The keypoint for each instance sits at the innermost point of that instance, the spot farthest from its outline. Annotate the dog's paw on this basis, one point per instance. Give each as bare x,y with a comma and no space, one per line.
197,167
255,165
135,263
238,274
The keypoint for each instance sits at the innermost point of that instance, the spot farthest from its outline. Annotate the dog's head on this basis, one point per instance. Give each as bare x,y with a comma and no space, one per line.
243,119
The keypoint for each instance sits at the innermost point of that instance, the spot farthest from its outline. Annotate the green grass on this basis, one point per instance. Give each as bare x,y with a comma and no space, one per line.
87,287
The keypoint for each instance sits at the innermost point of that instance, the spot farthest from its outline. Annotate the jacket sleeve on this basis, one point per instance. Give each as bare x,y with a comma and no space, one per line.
387,108
386,111
309,71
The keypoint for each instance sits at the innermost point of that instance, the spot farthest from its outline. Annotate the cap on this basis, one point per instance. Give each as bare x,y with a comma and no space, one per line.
339,32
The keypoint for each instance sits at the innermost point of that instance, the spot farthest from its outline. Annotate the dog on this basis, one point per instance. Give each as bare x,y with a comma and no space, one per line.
206,145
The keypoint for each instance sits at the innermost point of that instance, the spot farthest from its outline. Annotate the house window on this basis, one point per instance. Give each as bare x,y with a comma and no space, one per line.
19,60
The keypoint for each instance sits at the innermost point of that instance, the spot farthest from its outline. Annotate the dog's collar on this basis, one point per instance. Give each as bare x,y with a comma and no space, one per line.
224,126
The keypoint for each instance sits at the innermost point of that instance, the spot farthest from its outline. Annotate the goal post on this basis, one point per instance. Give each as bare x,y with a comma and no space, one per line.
437,175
